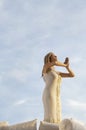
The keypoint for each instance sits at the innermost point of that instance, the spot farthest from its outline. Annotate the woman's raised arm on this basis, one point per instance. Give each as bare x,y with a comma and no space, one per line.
70,72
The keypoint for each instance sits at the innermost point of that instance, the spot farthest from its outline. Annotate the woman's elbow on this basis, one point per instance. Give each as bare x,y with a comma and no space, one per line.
72,75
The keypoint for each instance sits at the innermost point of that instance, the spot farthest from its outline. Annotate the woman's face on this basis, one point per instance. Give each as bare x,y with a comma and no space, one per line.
53,58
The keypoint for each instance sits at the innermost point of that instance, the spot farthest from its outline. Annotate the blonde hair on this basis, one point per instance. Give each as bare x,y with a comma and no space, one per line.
47,57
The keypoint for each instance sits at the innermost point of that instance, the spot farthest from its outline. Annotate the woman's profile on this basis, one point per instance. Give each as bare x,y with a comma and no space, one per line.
51,93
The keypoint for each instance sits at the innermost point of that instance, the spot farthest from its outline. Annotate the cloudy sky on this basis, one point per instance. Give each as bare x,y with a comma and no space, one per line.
28,30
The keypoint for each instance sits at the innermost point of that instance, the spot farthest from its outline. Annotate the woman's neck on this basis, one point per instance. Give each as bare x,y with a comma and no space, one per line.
52,68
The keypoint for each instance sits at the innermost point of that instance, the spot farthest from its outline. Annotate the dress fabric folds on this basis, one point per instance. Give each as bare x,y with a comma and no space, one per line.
51,97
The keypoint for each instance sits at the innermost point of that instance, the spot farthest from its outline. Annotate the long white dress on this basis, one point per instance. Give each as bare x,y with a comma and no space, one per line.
51,97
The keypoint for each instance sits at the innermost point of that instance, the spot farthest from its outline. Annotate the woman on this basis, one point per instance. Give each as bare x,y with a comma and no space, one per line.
51,94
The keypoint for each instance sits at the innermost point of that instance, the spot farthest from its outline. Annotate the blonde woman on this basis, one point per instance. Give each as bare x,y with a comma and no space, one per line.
51,94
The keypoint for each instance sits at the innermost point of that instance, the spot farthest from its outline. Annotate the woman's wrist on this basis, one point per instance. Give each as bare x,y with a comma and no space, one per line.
67,67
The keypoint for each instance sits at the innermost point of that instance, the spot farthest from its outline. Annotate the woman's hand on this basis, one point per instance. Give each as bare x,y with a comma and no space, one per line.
70,72
66,62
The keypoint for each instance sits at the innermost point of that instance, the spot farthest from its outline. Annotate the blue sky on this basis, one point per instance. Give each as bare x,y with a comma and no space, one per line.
29,30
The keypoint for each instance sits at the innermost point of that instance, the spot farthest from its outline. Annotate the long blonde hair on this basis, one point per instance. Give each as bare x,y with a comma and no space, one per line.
47,57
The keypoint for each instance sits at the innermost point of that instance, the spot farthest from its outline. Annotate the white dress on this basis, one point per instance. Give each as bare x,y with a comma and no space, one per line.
51,97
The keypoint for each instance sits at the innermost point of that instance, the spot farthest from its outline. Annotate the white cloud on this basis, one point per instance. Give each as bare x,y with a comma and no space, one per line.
20,75
77,105
29,102
1,3
77,60
20,102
